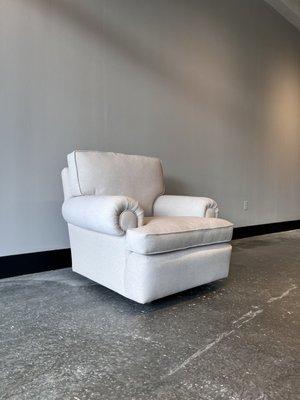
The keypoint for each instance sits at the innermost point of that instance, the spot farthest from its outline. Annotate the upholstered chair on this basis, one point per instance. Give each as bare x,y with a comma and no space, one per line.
128,236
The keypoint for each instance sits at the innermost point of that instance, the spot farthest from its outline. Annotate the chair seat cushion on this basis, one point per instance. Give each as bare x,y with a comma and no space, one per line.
164,234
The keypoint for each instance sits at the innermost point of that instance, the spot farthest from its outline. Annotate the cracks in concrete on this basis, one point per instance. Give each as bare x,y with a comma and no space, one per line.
244,319
199,352
247,317
284,294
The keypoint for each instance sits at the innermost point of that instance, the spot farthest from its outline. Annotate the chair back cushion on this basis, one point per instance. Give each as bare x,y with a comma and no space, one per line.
101,173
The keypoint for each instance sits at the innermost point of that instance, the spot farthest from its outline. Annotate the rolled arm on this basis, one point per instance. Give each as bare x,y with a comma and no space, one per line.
112,215
186,206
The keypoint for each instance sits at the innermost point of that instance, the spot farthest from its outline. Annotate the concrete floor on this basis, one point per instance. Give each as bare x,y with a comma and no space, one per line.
64,337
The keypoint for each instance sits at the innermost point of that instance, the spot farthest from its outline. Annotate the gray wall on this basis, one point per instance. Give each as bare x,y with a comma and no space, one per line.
211,87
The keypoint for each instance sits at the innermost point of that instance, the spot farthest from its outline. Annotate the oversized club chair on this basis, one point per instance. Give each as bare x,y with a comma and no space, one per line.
128,236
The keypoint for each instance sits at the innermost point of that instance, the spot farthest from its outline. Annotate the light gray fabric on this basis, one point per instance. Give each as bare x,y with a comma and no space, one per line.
66,184
177,249
164,234
100,173
103,259
128,220
185,206
99,257
104,214
148,278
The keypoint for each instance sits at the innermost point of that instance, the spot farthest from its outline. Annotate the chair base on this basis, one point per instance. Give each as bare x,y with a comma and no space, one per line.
105,260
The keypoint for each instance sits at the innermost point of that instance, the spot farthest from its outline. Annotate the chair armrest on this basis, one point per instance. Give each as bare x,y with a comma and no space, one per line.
185,206
112,215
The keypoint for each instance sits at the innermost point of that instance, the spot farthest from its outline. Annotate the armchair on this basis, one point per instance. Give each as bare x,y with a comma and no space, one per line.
128,236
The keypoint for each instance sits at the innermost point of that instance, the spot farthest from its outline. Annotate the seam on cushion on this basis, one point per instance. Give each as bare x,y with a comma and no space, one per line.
77,173
185,231
115,153
180,248
104,152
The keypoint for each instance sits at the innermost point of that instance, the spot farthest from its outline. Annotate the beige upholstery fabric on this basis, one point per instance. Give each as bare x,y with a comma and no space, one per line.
103,259
107,214
182,244
149,277
66,183
185,206
99,173
128,220
163,234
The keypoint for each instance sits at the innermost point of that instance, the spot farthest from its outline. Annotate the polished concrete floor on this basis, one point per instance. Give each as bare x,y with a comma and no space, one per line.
64,337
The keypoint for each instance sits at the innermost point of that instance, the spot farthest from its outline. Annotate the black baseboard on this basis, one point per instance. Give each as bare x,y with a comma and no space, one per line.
55,259
30,263
256,230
